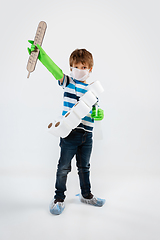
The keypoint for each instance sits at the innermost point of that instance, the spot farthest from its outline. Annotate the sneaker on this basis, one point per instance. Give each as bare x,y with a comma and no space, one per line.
56,206
92,201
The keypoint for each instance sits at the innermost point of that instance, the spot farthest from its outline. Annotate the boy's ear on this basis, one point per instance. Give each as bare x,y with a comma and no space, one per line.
91,69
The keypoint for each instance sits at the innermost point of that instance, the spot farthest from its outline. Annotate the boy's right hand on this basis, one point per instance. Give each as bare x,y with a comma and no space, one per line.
33,47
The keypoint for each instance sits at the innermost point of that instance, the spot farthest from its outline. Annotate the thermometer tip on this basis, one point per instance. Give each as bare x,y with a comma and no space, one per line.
28,75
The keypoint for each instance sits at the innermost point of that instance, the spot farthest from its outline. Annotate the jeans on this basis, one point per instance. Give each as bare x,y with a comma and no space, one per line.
78,143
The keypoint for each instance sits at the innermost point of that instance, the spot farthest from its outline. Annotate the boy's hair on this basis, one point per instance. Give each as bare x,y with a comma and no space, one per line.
81,55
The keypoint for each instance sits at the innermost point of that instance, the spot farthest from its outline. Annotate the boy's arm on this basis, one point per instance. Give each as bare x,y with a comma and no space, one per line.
47,62
61,80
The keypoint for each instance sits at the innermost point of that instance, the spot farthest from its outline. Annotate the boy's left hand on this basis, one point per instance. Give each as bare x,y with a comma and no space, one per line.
99,116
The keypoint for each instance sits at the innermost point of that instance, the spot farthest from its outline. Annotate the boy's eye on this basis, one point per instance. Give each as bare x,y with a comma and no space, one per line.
82,67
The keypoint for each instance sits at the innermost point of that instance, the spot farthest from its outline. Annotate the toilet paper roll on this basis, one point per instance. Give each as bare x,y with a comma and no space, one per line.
89,98
72,119
59,129
96,88
81,109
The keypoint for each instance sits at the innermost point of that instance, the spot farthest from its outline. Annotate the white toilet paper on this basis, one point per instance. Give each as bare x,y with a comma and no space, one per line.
72,119
96,88
59,129
81,109
89,98
63,126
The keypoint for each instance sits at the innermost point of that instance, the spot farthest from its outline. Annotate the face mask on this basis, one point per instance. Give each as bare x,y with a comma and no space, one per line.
79,74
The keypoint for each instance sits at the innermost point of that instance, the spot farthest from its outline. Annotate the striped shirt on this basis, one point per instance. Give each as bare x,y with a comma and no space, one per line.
73,90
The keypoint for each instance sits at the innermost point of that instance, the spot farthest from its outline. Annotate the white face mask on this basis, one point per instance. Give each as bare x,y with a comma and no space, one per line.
79,74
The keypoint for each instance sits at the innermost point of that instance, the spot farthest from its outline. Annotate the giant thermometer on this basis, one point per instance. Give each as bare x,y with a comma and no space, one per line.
37,40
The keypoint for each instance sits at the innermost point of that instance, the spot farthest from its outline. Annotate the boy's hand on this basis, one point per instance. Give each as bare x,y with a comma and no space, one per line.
33,47
99,116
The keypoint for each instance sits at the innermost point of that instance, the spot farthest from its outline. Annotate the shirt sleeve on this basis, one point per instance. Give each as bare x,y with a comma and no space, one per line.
66,81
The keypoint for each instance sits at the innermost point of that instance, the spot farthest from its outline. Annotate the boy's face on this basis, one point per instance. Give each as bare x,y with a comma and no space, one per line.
81,66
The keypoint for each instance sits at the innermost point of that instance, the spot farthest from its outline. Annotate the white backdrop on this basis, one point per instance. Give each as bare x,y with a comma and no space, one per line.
123,37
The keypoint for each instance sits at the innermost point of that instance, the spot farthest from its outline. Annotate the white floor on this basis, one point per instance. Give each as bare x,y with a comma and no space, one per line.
131,211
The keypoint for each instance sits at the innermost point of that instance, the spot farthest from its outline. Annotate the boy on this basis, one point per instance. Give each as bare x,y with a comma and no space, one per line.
79,142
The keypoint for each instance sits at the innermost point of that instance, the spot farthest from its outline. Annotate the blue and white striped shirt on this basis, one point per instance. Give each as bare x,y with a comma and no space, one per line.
73,90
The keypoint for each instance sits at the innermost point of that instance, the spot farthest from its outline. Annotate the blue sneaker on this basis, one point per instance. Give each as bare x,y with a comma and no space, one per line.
98,202
56,206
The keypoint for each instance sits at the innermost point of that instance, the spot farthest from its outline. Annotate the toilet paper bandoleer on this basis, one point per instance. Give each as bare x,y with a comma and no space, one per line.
76,126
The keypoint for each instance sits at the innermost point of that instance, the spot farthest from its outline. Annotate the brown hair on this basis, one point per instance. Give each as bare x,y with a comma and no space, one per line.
81,55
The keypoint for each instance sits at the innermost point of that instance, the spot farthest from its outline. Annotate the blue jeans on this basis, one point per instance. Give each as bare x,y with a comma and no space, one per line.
78,143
